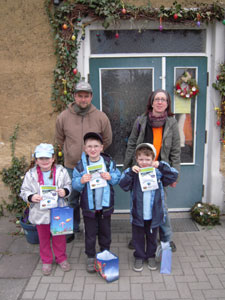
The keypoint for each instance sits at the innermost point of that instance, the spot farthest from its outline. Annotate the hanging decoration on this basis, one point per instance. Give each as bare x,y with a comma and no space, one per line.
186,87
67,21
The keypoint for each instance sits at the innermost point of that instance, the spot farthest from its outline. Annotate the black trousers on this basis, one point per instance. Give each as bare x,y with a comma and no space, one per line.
100,226
144,240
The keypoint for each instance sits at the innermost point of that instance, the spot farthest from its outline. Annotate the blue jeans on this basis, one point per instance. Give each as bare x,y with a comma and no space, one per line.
165,231
74,202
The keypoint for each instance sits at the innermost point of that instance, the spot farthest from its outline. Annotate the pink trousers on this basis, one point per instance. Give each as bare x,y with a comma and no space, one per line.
58,245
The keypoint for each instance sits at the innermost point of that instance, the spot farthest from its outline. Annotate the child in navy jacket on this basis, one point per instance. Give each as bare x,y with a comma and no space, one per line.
97,204
147,208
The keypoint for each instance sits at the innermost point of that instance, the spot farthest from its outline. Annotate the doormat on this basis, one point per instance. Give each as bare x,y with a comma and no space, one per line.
178,225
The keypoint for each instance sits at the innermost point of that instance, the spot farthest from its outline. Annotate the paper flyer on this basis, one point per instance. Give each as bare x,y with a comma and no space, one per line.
148,179
96,180
49,195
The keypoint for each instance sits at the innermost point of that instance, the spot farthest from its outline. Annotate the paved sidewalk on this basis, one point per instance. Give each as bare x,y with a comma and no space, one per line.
198,270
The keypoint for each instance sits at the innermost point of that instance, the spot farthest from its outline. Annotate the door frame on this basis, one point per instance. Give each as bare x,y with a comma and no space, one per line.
215,49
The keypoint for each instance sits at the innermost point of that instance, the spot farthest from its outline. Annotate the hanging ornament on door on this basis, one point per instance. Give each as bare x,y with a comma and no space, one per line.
186,87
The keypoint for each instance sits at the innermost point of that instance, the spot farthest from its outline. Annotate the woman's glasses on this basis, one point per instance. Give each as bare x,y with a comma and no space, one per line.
160,99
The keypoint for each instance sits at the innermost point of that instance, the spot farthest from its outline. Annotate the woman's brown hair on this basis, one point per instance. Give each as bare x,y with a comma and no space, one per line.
152,97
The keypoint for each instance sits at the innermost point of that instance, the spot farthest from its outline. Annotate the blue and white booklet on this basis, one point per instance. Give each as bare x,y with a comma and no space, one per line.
148,179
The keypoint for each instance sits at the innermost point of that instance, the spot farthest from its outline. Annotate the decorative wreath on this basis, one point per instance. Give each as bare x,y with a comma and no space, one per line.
186,87
205,213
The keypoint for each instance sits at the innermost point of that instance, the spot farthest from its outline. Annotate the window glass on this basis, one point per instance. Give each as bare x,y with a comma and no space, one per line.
124,95
185,110
148,41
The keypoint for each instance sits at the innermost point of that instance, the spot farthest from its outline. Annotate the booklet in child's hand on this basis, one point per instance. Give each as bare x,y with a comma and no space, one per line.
96,180
49,196
148,179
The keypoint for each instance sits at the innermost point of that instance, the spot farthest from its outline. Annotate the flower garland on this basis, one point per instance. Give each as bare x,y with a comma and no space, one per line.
205,214
67,22
186,87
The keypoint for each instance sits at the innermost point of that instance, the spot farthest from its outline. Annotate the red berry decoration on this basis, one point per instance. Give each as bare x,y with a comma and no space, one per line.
175,16
218,123
218,77
124,11
117,35
74,71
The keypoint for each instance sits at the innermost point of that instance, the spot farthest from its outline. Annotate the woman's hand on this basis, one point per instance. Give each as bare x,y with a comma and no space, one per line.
36,198
106,175
135,169
85,178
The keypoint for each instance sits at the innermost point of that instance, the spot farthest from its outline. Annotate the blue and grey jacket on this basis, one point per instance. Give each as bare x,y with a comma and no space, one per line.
130,182
87,198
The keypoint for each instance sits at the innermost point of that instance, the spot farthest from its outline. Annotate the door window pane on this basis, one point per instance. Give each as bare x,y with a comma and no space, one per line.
185,110
148,41
124,95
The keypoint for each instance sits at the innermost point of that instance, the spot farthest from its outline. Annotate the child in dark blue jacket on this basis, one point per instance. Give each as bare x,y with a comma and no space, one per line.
147,207
97,204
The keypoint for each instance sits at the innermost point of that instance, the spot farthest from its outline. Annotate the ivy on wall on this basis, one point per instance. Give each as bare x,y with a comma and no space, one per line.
219,85
68,24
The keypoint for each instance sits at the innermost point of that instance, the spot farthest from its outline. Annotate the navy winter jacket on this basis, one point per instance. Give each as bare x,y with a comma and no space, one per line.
130,182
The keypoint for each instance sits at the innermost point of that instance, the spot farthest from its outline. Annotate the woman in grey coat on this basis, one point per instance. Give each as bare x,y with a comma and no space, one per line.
158,127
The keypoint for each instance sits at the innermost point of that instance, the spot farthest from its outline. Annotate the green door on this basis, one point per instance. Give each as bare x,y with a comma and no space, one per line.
190,115
121,87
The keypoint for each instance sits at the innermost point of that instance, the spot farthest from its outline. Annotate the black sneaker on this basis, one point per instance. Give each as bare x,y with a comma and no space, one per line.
138,265
173,246
90,265
70,237
152,264
130,245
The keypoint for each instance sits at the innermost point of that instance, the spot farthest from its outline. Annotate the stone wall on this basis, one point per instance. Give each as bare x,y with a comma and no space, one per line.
27,61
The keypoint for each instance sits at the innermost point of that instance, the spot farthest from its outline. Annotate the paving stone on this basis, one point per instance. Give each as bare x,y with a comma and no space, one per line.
41,291
78,284
13,265
124,284
10,289
167,295
118,295
215,282
149,295
69,295
33,283
60,287
136,291
184,290
170,283
212,294
100,296
51,296
89,291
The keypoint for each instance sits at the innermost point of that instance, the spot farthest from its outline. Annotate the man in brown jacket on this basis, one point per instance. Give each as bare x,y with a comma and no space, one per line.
72,124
